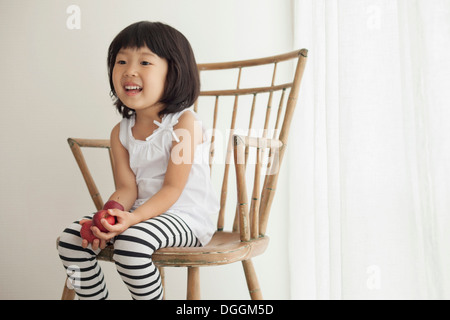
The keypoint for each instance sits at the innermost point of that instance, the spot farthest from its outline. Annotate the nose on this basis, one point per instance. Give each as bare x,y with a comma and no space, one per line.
130,71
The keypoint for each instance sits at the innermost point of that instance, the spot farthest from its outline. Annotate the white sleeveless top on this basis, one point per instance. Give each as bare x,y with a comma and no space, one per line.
149,160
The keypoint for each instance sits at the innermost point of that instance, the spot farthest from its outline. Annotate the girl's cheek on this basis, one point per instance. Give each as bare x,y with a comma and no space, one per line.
116,82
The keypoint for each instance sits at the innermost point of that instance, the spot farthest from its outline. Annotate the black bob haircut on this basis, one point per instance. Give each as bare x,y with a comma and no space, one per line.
182,85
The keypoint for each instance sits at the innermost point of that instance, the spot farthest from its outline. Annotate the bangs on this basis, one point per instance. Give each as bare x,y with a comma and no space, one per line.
138,35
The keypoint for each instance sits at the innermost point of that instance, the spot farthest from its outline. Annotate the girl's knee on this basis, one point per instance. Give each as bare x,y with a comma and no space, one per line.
130,249
69,244
70,235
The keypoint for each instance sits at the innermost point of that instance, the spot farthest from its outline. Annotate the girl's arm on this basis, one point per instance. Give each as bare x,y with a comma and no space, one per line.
126,188
125,194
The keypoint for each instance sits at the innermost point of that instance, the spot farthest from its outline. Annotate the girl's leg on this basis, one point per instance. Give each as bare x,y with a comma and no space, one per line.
133,250
86,275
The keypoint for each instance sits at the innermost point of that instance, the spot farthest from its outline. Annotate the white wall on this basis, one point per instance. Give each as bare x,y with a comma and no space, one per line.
54,85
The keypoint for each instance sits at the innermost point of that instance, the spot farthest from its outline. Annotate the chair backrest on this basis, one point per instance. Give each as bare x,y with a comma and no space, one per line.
257,112
254,105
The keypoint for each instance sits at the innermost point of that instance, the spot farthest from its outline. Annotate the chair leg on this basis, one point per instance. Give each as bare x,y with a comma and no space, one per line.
68,294
193,283
252,280
163,282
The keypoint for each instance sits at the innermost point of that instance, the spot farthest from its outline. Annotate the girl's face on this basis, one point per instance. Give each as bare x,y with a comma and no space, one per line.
139,76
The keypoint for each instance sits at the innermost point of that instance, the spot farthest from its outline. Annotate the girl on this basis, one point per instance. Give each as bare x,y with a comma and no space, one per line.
164,188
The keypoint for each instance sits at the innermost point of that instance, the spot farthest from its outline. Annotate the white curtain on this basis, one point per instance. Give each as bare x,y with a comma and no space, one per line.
369,151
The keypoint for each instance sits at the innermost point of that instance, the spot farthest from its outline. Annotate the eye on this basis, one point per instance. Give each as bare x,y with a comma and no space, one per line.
120,62
145,63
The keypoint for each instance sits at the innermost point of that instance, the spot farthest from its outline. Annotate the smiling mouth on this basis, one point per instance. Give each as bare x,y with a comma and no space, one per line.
132,90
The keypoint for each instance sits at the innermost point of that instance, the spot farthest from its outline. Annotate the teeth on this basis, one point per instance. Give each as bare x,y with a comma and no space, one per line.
132,87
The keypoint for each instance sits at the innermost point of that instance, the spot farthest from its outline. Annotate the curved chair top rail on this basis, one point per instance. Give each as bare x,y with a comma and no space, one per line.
252,62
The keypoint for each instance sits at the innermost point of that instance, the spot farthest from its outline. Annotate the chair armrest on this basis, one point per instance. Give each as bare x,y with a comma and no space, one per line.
249,228
257,142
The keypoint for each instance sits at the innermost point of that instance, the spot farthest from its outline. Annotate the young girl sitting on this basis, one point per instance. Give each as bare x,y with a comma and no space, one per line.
162,178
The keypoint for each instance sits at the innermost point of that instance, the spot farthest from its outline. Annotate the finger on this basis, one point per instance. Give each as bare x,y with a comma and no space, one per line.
83,221
96,231
105,223
108,226
102,235
84,243
95,244
115,212
102,244
116,228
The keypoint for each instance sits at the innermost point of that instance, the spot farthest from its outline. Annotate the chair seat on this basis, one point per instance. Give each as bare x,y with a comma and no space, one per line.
224,248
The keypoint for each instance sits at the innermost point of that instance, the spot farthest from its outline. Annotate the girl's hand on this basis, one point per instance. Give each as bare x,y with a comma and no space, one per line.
124,221
96,243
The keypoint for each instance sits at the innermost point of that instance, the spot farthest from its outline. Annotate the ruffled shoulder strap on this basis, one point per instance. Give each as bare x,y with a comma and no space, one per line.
169,121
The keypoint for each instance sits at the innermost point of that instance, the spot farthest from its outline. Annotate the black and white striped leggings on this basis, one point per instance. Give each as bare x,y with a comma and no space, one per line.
133,251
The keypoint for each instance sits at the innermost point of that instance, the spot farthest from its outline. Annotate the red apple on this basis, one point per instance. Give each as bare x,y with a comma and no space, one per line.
103,214
111,204
86,232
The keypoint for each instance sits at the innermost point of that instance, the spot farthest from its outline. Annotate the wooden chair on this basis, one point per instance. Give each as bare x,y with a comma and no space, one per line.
247,238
